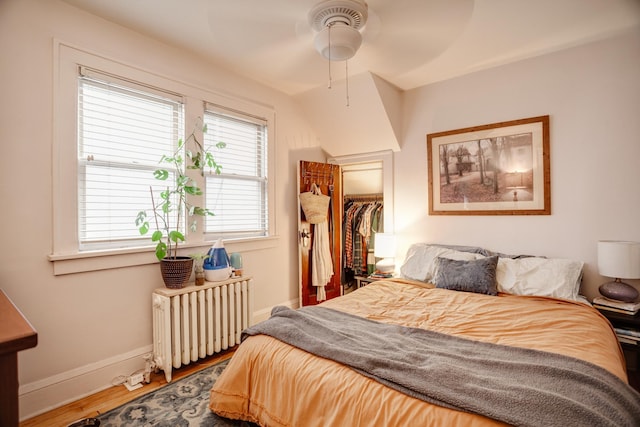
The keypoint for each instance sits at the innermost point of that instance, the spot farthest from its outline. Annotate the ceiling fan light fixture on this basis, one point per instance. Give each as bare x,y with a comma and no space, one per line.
338,42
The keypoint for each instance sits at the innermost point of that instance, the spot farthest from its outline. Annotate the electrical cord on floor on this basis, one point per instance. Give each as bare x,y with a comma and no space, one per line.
119,380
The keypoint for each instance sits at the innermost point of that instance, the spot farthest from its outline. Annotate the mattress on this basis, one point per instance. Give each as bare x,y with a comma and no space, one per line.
274,384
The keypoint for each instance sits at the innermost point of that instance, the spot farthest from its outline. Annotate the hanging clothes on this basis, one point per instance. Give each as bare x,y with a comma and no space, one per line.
322,263
361,220
315,208
348,235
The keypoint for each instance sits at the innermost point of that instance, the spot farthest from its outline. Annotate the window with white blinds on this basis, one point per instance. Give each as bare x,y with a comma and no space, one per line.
113,123
238,195
123,130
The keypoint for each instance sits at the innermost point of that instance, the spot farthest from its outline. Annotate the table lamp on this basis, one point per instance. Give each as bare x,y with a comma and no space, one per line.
620,260
385,248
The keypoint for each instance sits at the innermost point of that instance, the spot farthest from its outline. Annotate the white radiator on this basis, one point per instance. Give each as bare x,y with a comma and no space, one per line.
198,321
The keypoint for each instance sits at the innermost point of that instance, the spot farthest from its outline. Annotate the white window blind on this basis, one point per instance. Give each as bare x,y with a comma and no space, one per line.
238,195
123,130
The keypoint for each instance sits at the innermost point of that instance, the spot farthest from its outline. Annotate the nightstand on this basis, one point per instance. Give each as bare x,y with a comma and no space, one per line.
631,349
364,280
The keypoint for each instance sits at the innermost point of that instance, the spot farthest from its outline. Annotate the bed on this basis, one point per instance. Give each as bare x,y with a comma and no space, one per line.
450,296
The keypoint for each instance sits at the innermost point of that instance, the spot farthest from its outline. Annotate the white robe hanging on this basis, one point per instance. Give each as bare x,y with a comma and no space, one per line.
322,264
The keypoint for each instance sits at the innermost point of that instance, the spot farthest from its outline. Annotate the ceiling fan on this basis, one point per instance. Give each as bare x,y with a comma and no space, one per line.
386,38
338,38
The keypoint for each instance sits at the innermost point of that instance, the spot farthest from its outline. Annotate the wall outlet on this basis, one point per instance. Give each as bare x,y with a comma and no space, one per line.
133,382
135,379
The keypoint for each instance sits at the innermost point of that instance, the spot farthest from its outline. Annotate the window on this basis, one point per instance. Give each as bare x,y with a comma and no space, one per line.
123,130
238,195
112,123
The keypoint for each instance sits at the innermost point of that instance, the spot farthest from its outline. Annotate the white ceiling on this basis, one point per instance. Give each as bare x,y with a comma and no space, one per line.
408,43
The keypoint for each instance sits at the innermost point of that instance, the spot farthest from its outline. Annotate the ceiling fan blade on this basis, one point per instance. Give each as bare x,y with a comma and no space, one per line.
421,30
247,26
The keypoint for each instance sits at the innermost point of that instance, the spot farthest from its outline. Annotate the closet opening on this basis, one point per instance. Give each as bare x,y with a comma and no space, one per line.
367,181
363,217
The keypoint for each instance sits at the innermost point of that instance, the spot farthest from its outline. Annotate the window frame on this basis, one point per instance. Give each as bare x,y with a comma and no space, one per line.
66,256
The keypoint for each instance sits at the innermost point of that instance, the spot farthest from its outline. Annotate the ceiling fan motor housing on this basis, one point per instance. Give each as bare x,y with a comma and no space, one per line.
338,23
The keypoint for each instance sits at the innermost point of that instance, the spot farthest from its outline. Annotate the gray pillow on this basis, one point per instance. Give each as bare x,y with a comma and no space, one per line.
477,276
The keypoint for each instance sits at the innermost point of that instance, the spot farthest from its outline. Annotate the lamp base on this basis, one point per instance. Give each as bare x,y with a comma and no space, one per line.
619,291
386,265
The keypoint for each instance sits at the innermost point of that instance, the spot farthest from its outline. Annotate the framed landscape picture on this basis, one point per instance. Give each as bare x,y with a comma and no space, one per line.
496,169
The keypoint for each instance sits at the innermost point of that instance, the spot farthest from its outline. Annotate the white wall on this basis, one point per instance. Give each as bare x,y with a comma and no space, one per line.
94,326
592,94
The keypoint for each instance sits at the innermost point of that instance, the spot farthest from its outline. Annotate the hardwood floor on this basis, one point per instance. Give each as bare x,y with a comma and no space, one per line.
113,397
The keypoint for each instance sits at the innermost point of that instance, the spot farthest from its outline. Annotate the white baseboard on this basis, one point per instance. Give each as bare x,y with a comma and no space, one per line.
52,392
265,313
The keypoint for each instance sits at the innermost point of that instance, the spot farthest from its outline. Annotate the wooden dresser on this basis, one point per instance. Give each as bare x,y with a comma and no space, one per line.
15,334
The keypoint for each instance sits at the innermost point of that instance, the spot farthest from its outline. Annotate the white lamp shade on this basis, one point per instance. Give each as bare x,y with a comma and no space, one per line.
342,44
619,259
384,245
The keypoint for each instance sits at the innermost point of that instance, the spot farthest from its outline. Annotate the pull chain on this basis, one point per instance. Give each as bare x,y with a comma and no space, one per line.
329,34
346,71
346,68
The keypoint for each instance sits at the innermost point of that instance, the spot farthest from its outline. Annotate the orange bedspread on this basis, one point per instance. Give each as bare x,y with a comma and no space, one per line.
273,384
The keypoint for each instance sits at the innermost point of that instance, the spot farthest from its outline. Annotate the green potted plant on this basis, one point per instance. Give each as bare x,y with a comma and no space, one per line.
171,205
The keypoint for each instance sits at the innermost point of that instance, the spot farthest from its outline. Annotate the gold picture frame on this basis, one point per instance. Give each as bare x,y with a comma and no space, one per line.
496,169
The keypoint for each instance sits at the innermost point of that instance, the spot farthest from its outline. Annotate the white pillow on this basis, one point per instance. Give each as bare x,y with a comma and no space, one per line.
420,263
552,277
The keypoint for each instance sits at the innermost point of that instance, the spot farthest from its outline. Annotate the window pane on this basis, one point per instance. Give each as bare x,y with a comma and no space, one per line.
122,134
244,147
238,196
125,126
112,202
237,204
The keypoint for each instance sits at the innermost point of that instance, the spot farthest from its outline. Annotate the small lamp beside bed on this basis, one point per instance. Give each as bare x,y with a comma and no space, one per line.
385,248
620,260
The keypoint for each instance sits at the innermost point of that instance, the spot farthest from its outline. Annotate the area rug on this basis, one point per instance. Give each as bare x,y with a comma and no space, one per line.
180,403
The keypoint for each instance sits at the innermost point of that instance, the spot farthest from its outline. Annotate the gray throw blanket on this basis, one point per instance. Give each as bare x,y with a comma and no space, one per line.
517,386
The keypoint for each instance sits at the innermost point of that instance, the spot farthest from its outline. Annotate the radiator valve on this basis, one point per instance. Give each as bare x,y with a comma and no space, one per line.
149,366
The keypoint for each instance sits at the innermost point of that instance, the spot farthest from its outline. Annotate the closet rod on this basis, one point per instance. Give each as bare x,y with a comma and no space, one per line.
360,170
